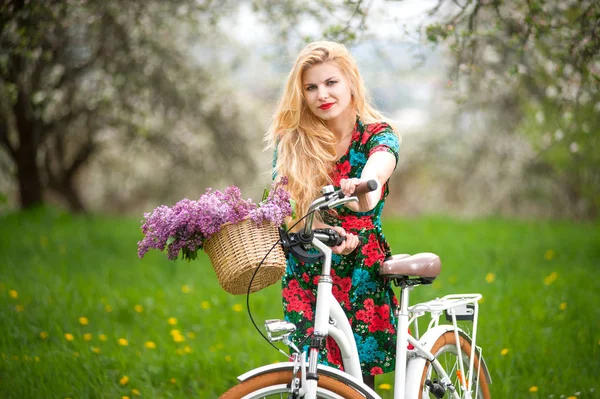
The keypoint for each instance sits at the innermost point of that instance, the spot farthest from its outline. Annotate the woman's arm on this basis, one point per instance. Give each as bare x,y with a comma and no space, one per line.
379,167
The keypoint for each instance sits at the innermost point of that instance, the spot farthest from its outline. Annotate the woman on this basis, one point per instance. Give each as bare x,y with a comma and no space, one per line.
324,131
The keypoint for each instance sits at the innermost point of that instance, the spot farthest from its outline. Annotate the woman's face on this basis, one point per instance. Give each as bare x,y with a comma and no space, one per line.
327,91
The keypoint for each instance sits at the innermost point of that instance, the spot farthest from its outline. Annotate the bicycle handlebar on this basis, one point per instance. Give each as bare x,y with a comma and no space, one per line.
333,200
365,187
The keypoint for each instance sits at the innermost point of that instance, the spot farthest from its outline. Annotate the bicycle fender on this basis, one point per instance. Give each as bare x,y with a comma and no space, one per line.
415,366
321,370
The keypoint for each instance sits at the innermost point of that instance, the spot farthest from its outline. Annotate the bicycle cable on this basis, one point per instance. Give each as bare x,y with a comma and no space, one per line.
252,280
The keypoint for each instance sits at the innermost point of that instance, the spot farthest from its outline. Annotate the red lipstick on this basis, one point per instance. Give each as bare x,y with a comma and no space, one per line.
326,106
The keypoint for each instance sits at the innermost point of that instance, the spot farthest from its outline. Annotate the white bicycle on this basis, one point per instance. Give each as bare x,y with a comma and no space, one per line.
443,360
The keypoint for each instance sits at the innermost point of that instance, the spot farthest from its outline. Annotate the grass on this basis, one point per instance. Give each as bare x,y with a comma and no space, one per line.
82,317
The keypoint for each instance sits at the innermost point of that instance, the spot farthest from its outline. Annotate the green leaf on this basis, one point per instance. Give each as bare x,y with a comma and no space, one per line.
170,240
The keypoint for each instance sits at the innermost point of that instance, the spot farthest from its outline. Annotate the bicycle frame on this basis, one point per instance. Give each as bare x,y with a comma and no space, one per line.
328,308
331,320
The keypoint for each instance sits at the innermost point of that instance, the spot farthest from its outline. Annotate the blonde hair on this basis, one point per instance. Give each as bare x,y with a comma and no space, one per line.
305,146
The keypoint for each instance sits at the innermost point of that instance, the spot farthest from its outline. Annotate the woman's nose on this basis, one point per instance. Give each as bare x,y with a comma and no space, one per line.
323,94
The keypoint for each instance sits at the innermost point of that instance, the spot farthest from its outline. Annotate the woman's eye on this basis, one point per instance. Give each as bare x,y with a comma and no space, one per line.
331,82
309,88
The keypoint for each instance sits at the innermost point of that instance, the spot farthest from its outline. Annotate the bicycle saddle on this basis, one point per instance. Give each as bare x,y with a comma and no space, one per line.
426,264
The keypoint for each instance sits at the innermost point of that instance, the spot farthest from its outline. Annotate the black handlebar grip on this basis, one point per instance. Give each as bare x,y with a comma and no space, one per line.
362,240
365,187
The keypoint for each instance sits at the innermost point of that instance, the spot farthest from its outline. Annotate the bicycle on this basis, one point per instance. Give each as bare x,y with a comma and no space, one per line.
445,359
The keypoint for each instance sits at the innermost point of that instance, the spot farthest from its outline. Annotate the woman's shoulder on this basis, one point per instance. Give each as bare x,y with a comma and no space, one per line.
378,129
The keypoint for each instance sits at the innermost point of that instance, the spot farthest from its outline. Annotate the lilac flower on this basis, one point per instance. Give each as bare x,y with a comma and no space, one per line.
187,225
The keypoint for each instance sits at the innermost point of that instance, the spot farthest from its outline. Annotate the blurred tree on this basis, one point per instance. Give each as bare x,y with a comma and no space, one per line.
83,81
534,67
75,74
337,20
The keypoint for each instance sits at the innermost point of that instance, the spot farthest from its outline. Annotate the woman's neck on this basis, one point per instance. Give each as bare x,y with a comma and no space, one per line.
343,125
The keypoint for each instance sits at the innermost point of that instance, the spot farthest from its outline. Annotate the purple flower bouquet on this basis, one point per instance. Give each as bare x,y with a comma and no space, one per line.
186,227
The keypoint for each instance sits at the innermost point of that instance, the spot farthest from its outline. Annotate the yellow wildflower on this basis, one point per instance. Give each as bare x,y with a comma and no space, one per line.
533,389
69,337
83,321
205,305
385,387
185,289
150,345
124,397
237,307
173,381
549,279
13,294
172,321
563,306
87,336
227,358
76,354
187,349
138,308
102,337
123,342
504,352
135,392
124,380
178,338
43,335
490,277
95,349
549,255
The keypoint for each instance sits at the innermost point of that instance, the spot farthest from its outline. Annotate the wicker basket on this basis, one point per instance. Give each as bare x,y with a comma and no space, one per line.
236,251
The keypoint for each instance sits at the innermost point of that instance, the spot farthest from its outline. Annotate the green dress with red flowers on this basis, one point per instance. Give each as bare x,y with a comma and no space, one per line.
368,300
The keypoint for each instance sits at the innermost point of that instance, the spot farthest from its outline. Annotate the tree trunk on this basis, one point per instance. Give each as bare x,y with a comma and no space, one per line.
30,185
70,194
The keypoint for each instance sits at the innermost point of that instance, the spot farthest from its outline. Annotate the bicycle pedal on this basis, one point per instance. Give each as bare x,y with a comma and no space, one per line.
435,388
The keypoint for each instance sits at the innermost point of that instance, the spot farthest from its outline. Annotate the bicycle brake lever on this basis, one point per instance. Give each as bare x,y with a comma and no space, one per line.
338,202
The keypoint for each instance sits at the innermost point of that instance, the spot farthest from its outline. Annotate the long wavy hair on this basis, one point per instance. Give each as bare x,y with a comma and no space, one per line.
305,146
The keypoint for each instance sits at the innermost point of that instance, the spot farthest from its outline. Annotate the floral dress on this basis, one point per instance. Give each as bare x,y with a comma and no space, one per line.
368,300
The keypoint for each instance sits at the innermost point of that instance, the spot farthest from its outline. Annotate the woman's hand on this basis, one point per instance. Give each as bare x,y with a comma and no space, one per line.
366,201
349,185
348,245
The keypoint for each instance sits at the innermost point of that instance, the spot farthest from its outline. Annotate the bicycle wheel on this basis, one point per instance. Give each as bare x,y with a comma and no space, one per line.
274,385
446,352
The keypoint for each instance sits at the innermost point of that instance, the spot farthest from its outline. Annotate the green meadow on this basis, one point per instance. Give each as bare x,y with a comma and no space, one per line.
82,317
